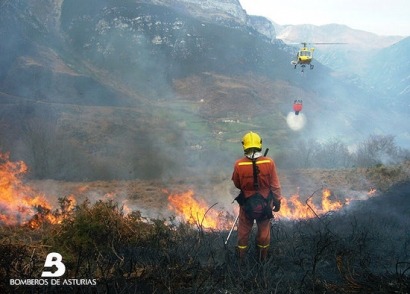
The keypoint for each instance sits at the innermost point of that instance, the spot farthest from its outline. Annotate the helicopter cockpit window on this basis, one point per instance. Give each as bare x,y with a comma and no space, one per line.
305,53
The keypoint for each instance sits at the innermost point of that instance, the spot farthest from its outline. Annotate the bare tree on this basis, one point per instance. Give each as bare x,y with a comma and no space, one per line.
377,149
333,154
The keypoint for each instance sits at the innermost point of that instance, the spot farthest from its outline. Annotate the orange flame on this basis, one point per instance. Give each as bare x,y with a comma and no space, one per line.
19,203
114,197
197,211
293,208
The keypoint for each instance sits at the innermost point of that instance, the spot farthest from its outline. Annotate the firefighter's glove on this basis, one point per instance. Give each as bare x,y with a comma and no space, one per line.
276,205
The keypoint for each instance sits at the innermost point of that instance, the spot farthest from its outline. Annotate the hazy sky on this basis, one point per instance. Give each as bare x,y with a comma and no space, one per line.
382,17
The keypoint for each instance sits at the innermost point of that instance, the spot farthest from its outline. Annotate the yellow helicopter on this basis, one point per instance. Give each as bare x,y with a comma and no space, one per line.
305,55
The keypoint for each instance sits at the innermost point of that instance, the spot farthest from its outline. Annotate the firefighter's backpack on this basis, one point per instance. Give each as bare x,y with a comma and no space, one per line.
258,207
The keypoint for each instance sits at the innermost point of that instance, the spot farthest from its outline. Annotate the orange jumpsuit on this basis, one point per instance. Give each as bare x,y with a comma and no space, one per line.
268,180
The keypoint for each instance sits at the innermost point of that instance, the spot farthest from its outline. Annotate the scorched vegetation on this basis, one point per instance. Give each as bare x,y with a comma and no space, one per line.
362,249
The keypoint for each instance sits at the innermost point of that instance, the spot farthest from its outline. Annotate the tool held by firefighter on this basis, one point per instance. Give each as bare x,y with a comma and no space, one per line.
230,232
256,177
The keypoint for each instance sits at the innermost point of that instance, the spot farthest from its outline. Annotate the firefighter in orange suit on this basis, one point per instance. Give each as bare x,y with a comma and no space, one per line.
258,177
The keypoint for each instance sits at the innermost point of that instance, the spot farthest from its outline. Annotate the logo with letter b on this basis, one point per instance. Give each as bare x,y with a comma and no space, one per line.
54,259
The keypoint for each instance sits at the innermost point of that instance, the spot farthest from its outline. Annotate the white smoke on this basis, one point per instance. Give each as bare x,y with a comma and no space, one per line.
296,122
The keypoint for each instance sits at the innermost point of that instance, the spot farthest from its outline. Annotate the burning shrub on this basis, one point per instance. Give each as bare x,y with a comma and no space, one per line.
197,212
22,205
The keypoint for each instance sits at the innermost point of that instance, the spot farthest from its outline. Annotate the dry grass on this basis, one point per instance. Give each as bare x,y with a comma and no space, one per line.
150,196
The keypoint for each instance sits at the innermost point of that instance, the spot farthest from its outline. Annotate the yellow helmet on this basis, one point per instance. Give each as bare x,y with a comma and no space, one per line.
252,140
